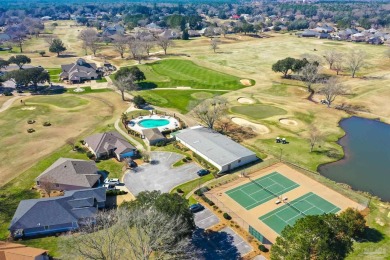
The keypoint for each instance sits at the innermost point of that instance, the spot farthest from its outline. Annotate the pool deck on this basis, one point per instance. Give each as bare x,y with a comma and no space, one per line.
135,126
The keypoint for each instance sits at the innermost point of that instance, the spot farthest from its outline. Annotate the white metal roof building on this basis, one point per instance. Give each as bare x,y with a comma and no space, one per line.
217,149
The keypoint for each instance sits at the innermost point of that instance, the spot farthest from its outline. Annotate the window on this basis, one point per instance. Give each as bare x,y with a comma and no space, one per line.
57,185
46,227
239,161
37,182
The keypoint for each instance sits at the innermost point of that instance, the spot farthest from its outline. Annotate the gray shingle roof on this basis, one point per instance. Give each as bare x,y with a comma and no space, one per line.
56,211
153,134
217,147
103,142
79,69
71,172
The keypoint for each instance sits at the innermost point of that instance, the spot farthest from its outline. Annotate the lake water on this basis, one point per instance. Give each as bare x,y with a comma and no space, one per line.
366,165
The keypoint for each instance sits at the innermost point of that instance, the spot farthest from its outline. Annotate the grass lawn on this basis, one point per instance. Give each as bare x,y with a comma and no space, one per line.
55,75
102,80
182,100
258,111
64,102
191,185
177,73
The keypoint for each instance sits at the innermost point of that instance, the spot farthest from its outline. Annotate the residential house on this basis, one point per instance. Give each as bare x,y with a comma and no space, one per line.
79,71
152,136
170,34
48,216
358,37
13,251
194,33
70,174
112,30
215,148
308,33
105,145
324,29
376,40
345,34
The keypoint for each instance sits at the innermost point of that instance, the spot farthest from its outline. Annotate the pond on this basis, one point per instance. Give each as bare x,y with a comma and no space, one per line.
367,157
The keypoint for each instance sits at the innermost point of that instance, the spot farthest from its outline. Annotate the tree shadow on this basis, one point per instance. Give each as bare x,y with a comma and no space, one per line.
50,90
372,235
147,85
215,245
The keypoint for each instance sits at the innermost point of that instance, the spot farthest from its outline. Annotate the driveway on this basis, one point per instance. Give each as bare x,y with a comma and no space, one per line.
159,174
205,219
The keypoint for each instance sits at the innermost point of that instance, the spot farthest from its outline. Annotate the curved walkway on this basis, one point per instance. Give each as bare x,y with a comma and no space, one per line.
9,102
137,144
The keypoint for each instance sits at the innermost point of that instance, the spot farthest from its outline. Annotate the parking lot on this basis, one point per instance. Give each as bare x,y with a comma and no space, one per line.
205,219
159,173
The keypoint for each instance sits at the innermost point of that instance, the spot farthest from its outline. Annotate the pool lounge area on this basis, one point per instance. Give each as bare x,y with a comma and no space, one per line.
161,122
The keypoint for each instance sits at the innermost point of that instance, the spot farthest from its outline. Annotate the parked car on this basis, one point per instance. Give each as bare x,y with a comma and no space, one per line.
203,172
196,208
132,164
112,181
109,186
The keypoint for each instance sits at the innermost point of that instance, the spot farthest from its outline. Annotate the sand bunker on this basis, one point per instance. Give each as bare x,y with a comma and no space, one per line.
246,82
258,128
244,100
28,108
286,121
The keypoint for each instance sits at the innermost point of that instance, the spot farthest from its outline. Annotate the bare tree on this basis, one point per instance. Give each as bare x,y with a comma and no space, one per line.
164,43
210,111
49,39
120,44
18,38
315,136
125,83
309,75
331,56
147,44
72,142
332,88
339,65
136,50
139,234
47,184
214,44
355,60
90,40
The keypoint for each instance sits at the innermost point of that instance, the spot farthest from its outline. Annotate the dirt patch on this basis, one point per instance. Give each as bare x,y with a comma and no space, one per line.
244,100
28,108
289,122
379,222
258,128
246,82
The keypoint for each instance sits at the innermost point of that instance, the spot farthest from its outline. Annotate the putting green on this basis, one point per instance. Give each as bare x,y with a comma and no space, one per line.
258,111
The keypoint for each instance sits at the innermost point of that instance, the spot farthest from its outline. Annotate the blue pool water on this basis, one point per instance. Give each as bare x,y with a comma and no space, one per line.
152,123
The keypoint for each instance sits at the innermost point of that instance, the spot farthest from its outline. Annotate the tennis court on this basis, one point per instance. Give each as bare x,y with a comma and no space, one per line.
261,190
288,214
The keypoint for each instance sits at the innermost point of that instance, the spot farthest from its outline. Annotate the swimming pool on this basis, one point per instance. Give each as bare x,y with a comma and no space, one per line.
153,123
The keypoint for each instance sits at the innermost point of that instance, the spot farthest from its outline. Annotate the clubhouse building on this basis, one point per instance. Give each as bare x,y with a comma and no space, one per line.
215,148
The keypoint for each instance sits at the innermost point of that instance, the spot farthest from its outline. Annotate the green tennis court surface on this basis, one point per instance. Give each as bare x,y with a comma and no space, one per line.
288,214
261,190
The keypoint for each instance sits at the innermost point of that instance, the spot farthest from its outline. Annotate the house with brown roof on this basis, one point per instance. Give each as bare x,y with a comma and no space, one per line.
13,251
152,136
79,71
110,144
70,174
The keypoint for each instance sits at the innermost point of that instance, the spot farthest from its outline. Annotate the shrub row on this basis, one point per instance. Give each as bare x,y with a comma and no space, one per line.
115,192
227,216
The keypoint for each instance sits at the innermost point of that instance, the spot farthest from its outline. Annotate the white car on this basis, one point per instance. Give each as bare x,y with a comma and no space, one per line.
109,186
112,181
